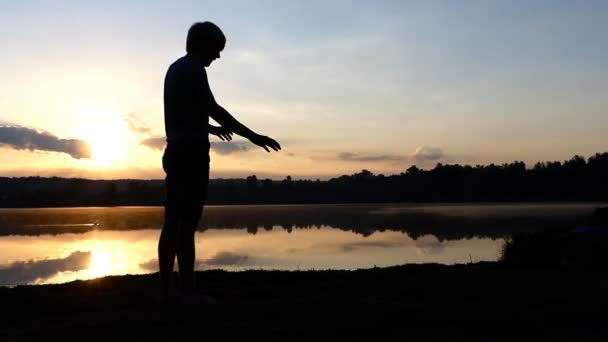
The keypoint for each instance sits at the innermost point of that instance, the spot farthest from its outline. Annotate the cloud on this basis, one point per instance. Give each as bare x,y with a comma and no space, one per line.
154,142
135,126
429,244
349,247
428,153
224,147
226,258
350,156
23,138
221,147
24,272
150,265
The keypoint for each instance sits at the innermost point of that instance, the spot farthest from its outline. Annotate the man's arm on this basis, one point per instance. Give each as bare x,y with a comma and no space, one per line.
228,121
221,115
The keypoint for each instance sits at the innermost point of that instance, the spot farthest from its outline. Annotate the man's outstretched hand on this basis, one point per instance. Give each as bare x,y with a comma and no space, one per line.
265,142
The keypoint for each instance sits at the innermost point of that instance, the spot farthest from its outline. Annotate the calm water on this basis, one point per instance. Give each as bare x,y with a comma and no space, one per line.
40,246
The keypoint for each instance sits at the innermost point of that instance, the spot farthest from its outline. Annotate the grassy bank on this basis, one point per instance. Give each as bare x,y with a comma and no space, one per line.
485,301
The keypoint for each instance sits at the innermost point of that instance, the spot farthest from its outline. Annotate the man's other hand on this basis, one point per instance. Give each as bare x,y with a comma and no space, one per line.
222,132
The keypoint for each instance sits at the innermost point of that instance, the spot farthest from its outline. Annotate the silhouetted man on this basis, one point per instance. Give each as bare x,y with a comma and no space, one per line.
188,104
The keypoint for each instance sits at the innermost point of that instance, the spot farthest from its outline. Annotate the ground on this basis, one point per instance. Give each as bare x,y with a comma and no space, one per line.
479,302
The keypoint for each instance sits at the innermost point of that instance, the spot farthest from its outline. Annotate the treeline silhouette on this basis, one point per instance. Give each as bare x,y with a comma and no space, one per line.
576,179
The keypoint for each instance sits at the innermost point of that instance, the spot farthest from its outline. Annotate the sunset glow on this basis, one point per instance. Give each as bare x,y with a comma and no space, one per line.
376,86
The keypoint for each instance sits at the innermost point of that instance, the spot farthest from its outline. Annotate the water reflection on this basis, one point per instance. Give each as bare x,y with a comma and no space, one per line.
446,222
58,245
32,271
66,257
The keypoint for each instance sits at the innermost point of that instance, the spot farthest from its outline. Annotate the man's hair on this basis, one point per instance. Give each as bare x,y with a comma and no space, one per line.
205,34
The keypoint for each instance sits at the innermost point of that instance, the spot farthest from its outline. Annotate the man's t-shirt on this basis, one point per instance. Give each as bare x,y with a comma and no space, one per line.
187,101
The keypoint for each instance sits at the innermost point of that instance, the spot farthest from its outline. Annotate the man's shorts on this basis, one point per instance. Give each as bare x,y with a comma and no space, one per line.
186,167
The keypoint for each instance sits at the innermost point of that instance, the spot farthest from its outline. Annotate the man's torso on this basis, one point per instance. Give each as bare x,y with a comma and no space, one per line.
186,103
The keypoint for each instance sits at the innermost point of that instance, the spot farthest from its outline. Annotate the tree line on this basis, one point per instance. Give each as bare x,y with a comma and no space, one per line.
576,179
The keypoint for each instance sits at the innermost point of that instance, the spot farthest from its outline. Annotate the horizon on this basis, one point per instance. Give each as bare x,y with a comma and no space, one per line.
342,86
528,166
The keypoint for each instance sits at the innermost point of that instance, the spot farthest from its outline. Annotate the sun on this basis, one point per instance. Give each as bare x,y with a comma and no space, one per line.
108,148
108,142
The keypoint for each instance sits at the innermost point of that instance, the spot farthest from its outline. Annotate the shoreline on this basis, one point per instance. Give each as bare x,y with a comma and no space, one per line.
477,299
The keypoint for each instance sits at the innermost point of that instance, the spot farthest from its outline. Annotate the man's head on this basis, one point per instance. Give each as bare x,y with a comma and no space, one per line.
205,41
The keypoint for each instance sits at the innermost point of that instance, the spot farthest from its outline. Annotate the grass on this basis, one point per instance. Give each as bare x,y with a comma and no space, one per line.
483,301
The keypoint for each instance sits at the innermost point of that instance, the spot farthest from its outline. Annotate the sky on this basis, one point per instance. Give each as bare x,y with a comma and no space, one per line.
342,85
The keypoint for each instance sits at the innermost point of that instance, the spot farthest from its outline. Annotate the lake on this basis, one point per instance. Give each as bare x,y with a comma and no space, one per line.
54,245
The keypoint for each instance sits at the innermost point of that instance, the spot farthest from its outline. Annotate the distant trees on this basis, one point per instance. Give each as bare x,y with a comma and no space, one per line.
576,179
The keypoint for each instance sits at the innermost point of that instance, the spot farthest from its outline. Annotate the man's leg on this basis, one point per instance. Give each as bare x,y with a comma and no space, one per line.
194,192
186,254
186,259
167,245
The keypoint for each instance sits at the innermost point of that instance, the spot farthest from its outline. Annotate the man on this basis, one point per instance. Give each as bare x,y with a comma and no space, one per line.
188,104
